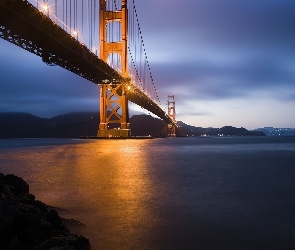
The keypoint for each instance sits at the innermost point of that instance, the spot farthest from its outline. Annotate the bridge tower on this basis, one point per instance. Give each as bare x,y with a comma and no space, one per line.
171,114
113,100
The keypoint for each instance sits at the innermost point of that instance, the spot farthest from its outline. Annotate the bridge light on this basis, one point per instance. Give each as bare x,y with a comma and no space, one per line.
94,50
76,33
45,9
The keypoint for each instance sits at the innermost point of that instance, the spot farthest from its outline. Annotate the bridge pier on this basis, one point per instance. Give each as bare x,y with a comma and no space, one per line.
111,133
25,26
114,115
172,114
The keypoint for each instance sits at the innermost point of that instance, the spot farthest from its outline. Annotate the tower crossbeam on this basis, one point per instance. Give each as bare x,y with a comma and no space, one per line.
64,33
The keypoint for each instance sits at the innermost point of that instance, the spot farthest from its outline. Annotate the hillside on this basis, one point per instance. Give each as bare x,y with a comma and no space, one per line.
24,125
74,125
187,130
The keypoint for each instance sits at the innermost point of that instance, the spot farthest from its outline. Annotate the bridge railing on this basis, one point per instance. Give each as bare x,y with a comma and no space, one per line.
25,26
78,18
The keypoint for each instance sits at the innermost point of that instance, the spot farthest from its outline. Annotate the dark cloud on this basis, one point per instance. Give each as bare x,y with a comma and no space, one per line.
29,85
208,53
229,20
183,114
223,50
241,78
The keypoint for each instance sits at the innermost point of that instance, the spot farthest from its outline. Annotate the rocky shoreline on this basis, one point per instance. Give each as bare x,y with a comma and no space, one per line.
26,223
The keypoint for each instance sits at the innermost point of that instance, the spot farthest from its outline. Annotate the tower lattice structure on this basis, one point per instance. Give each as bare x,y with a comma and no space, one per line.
172,115
113,99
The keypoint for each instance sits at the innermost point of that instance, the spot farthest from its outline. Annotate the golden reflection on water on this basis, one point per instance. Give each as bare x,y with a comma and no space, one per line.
105,184
116,180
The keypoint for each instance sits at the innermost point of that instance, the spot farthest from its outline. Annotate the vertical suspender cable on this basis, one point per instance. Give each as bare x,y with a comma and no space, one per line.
55,11
76,28
70,16
74,16
91,23
94,26
82,17
66,15
117,38
75,2
88,24
89,15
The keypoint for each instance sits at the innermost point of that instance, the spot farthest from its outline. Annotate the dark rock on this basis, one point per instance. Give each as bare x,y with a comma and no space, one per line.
73,223
54,219
28,219
26,223
1,181
6,191
16,184
30,209
79,242
34,233
27,196
9,209
70,242
65,243
12,244
56,243
38,204
58,209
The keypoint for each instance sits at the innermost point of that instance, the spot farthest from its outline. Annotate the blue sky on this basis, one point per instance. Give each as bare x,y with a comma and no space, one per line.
227,62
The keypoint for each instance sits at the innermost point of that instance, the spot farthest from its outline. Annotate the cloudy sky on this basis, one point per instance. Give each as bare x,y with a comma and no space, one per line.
228,62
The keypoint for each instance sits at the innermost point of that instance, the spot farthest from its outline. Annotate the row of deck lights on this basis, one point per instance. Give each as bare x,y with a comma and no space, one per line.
45,9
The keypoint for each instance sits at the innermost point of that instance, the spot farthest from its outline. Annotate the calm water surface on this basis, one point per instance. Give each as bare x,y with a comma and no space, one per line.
174,193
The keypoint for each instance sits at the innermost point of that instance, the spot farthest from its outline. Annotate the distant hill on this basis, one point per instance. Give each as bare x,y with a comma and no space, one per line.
147,125
188,130
74,125
24,125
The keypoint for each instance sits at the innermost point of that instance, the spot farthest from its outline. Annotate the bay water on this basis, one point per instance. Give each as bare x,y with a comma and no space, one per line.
174,193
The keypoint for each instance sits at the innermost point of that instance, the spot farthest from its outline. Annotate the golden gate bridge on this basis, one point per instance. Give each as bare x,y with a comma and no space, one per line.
65,33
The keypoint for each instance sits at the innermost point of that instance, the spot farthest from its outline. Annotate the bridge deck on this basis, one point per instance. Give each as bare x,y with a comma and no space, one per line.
25,26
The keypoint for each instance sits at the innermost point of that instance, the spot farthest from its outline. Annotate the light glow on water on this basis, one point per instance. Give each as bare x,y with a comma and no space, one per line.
176,193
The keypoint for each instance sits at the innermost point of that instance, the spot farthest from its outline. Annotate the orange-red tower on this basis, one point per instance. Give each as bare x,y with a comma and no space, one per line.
172,115
113,101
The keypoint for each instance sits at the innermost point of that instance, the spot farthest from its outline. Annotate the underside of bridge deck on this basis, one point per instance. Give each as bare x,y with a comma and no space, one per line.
25,26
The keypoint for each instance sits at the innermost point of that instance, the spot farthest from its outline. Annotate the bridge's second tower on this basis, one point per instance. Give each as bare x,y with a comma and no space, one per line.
114,117
172,115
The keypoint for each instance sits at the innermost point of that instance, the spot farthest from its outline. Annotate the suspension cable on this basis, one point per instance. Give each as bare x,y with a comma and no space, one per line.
140,40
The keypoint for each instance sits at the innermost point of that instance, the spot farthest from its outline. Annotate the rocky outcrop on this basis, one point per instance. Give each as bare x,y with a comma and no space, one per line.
26,223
